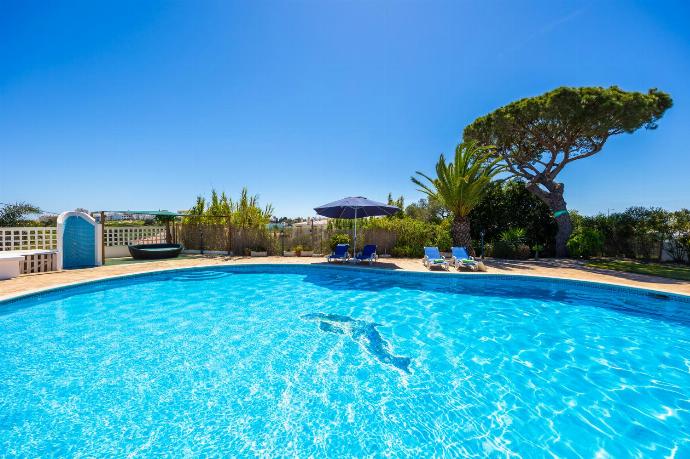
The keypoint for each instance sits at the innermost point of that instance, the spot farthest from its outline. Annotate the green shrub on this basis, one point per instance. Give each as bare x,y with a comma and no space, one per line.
511,244
408,236
513,236
442,237
406,251
339,239
502,249
586,243
537,249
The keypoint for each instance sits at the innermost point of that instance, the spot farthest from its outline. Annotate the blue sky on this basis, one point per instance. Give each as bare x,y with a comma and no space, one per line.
144,105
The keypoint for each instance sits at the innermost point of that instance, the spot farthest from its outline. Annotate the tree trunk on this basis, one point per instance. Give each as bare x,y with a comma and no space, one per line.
460,230
565,229
554,199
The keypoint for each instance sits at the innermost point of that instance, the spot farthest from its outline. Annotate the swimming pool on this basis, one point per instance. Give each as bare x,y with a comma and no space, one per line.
328,361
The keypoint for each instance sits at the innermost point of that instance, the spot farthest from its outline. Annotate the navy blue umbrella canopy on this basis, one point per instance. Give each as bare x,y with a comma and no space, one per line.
355,207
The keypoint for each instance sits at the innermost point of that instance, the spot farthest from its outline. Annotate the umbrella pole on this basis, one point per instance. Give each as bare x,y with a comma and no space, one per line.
354,247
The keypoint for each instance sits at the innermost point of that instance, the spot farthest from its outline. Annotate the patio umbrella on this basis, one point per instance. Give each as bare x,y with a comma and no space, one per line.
355,207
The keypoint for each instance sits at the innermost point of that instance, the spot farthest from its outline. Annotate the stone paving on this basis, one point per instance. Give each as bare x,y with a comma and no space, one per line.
565,269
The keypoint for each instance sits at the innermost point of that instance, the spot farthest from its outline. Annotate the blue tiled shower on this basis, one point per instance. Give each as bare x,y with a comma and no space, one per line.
79,243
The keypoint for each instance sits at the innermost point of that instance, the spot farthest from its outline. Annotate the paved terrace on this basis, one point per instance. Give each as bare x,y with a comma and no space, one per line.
566,269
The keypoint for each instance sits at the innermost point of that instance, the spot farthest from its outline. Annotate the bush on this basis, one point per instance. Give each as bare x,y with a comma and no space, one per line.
586,243
678,246
513,236
405,251
442,237
408,235
339,239
502,249
638,232
511,244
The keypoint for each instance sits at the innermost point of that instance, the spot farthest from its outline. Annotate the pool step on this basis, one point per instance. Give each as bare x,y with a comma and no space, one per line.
201,276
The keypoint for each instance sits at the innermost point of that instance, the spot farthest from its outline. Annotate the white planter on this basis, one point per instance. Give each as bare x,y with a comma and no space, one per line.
287,253
258,254
307,253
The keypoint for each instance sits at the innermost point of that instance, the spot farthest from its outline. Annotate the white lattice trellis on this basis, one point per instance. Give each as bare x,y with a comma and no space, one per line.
28,238
124,235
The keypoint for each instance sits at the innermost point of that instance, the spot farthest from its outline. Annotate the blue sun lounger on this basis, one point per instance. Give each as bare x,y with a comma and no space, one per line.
432,257
340,253
462,259
368,253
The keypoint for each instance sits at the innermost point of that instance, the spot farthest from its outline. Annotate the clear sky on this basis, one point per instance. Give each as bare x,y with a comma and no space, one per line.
144,105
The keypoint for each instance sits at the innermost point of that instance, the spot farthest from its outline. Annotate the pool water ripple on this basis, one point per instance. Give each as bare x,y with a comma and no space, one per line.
222,361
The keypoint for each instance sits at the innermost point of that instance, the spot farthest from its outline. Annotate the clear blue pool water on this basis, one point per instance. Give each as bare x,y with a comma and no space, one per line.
302,361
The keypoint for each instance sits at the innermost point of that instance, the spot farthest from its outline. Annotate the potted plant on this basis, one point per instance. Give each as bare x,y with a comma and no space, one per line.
259,251
536,248
298,250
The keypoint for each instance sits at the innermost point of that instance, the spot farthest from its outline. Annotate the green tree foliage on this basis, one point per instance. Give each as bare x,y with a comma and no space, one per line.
428,210
14,214
460,185
399,203
509,205
538,136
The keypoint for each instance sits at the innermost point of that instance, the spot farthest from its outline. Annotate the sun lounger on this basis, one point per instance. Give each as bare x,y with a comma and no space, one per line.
462,259
368,253
432,257
340,253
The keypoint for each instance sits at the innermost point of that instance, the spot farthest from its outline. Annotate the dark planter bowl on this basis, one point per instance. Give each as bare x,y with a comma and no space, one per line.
154,251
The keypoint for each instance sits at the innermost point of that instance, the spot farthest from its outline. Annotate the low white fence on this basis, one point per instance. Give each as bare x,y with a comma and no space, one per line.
28,238
39,244
117,238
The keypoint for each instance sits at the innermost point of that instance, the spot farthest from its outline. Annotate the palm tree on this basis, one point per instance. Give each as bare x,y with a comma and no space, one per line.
461,184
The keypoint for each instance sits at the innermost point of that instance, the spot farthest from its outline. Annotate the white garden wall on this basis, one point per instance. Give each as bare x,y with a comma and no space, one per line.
28,238
117,238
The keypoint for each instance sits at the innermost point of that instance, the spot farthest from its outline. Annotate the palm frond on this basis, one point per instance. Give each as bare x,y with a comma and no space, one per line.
460,185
